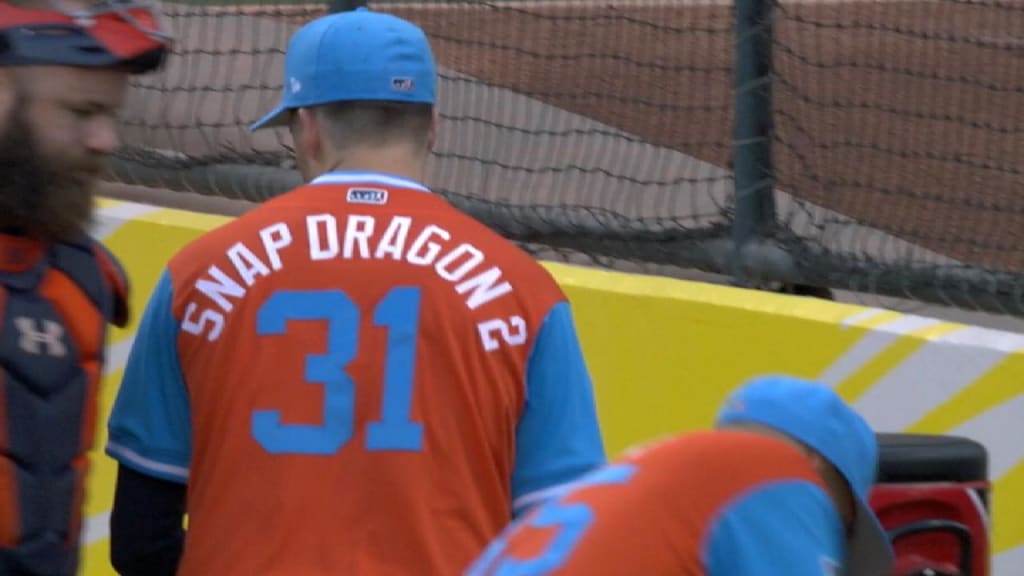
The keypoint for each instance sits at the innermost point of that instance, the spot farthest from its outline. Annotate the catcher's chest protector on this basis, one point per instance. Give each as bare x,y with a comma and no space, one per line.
55,304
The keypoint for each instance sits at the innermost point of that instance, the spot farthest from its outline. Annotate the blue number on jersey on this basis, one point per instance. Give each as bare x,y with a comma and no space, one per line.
570,520
399,313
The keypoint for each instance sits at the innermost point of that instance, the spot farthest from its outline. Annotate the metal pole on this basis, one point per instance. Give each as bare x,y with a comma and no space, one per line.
752,129
334,6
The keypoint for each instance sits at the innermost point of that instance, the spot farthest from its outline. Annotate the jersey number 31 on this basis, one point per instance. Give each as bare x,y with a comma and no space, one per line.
399,313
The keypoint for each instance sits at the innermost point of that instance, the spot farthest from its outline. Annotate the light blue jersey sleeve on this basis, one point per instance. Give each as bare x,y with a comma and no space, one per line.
150,428
786,527
558,437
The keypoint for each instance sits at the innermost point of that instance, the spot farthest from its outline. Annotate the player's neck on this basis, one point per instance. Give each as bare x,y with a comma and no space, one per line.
393,161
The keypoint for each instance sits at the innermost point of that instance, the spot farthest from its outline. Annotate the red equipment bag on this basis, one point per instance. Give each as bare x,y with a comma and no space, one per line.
932,497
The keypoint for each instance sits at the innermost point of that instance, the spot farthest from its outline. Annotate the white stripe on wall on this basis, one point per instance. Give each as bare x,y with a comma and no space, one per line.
933,374
1005,448
95,528
109,218
872,344
1009,563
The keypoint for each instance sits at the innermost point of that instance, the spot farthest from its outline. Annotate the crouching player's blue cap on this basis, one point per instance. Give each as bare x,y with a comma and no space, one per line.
816,416
356,55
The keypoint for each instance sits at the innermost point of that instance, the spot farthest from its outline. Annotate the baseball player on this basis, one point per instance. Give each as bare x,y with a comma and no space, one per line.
779,488
354,377
64,69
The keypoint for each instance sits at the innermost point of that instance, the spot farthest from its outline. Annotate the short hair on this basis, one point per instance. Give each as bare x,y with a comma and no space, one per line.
376,123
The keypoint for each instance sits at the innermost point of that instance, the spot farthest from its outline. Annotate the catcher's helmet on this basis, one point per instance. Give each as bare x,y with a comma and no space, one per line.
99,34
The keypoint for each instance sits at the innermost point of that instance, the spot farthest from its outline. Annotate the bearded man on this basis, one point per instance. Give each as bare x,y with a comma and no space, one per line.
64,71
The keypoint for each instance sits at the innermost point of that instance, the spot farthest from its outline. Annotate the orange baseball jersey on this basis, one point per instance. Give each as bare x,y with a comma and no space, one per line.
55,303
722,503
354,378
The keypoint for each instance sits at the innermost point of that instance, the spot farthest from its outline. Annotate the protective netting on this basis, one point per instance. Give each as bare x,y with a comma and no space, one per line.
906,120
605,129
557,118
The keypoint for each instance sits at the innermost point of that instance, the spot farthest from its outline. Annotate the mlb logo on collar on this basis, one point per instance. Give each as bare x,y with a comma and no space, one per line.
376,196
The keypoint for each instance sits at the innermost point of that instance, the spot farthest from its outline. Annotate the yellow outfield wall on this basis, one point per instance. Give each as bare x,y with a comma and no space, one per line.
665,353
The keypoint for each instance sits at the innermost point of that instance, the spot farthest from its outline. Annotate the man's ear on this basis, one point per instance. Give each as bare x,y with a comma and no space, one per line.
432,134
8,91
307,133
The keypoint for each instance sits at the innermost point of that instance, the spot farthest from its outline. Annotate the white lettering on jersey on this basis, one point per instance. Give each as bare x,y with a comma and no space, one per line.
357,236
247,264
471,256
392,243
512,332
275,237
484,288
209,321
423,251
220,286
323,236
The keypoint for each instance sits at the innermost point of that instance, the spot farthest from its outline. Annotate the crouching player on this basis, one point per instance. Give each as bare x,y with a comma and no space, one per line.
780,487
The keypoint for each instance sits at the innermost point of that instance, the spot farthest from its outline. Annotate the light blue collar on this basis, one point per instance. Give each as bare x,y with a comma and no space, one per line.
355,177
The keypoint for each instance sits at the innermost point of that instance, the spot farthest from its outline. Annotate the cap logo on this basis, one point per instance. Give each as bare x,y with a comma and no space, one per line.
829,567
402,84
294,85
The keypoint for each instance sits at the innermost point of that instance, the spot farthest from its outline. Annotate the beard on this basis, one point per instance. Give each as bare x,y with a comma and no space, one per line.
42,196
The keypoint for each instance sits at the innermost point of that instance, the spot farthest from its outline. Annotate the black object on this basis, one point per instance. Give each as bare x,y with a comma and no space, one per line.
146,536
335,6
906,458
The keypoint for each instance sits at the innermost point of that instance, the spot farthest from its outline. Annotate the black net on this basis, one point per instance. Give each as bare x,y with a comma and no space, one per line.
898,134
604,129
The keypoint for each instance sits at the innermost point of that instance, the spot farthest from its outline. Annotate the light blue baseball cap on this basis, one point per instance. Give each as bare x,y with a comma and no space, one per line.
355,55
816,416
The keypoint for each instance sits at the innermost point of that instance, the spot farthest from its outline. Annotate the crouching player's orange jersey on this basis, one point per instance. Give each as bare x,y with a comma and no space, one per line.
354,378
722,503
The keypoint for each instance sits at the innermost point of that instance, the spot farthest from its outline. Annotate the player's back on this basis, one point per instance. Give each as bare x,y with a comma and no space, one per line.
652,512
355,357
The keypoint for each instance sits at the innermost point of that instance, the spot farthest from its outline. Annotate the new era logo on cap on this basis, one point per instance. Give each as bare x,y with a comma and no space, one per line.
830,567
